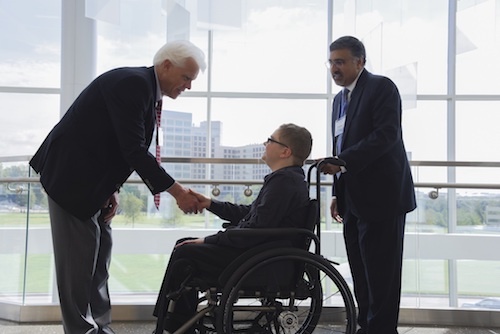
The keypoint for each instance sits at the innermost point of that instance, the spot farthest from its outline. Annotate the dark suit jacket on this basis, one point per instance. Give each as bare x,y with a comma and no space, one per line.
103,137
282,202
378,181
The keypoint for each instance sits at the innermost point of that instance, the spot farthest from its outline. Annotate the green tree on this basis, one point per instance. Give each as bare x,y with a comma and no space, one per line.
132,207
471,210
176,218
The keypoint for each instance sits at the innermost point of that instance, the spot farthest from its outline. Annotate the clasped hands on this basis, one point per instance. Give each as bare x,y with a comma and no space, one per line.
188,200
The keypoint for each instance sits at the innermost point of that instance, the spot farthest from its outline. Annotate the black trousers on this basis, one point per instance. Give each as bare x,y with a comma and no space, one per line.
205,261
375,253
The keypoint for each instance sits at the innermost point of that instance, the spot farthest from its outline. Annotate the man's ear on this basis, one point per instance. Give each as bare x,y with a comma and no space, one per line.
287,153
167,64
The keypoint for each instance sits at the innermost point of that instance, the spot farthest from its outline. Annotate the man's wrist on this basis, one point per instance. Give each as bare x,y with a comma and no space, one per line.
342,168
175,189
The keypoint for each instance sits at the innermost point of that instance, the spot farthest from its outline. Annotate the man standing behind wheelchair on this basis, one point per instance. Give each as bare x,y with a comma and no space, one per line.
281,203
374,191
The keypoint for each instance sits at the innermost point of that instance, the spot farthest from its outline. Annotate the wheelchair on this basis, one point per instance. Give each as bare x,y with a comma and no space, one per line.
272,289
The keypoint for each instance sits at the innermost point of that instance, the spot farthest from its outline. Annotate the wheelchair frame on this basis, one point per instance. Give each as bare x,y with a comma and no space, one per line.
310,282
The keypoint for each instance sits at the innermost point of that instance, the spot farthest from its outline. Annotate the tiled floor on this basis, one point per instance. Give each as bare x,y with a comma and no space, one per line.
118,327
147,328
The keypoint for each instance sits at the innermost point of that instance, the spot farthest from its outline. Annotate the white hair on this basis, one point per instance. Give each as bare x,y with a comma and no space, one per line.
178,51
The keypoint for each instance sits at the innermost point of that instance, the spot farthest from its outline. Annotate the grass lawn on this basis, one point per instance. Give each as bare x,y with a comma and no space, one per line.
128,273
143,221
139,273
474,278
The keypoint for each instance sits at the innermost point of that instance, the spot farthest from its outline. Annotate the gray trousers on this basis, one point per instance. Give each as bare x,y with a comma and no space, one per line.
82,253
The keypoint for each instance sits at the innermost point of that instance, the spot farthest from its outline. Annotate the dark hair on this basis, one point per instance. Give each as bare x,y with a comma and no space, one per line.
298,139
351,43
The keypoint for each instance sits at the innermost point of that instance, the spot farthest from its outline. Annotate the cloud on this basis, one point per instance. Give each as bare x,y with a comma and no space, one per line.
30,73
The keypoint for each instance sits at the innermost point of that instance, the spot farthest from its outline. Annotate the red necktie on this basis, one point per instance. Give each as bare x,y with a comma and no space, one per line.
158,147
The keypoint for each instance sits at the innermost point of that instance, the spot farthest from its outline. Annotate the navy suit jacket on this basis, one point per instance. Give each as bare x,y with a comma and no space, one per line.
378,181
103,137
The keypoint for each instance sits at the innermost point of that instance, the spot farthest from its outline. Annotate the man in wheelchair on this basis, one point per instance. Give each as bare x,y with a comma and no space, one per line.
281,203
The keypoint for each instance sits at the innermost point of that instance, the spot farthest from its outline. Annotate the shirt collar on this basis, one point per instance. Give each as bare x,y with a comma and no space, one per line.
292,169
353,84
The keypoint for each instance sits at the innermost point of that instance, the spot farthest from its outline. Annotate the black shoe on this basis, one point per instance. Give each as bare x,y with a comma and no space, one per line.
106,330
361,331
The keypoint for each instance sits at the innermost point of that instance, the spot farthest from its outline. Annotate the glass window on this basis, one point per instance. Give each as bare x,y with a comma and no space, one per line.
477,127
425,131
477,43
25,120
30,37
398,33
280,46
140,31
267,68
251,121
478,280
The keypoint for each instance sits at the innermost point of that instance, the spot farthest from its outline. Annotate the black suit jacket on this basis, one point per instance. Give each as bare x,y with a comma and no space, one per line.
103,137
378,181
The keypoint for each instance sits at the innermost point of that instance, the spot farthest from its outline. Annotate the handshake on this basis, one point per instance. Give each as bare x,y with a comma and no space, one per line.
189,201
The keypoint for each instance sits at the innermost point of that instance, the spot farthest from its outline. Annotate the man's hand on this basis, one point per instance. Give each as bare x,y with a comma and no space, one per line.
191,241
329,169
110,207
186,201
334,211
202,199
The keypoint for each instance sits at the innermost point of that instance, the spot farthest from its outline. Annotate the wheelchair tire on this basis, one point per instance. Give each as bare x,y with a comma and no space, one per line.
318,301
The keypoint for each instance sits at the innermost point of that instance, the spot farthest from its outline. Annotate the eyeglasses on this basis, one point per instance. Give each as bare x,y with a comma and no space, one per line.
271,140
337,62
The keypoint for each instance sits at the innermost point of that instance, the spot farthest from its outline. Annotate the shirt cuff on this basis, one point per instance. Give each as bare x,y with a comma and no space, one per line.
342,168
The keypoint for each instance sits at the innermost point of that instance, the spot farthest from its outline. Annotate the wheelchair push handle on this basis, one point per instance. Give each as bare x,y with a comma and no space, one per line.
320,162
330,160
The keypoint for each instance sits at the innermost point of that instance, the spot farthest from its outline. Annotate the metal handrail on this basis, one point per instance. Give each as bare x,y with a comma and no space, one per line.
434,185
421,163
256,161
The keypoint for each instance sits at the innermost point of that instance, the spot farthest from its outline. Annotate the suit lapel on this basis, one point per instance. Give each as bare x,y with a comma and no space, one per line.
352,108
150,113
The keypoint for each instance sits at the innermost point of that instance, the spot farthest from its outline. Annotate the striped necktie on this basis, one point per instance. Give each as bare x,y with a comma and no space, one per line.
158,147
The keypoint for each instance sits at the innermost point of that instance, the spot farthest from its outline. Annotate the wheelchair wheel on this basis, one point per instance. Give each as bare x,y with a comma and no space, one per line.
287,291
